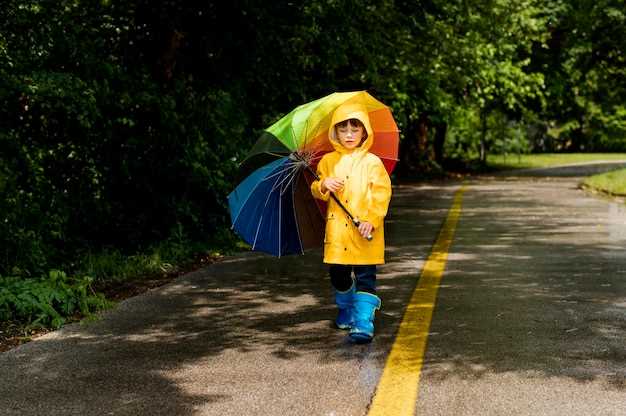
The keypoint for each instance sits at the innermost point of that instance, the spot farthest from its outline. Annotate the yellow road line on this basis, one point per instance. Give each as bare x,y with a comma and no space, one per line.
397,389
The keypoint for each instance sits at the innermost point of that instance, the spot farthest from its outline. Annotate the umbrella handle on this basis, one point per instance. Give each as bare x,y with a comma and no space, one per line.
355,220
357,223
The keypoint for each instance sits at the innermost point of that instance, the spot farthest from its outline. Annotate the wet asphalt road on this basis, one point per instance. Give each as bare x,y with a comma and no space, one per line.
530,319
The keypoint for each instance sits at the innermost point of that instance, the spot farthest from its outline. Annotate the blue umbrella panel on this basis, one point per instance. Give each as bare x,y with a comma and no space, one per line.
274,211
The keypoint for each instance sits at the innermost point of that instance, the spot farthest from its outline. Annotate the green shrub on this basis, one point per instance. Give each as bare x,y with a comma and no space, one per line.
100,152
49,301
112,265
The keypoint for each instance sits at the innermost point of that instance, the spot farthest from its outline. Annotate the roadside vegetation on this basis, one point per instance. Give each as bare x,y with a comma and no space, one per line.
33,305
544,160
611,183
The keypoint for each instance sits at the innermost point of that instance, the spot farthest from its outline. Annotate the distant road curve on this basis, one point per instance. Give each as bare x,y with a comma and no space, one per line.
569,170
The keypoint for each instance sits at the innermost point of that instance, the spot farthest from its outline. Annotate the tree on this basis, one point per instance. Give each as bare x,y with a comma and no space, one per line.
584,69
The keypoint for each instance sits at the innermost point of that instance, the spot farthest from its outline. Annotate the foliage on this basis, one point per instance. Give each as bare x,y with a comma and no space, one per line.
111,265
48,301
583,65
503,135
82,149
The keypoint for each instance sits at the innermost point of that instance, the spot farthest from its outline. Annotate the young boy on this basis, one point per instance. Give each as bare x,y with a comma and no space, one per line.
359,180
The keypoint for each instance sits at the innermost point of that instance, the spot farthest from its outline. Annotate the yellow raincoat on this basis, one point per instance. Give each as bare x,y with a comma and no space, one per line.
366,194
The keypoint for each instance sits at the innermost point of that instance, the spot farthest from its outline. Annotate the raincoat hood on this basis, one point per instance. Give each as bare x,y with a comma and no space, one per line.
345,112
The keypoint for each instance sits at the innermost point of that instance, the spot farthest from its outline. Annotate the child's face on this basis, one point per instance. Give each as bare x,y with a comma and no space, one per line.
349,135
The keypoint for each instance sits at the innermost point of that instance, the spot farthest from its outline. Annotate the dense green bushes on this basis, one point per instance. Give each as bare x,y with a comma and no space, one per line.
97,153
48,301
106,171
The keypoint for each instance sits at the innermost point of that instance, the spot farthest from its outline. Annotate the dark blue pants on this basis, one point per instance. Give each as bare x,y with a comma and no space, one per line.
364,275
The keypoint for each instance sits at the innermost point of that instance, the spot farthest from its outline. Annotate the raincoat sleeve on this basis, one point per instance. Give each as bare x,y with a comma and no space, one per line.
380,195
322,172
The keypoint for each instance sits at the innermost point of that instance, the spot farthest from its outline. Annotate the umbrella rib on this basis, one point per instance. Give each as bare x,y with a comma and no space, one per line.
250,194
280,222
293,203
256,235
293,136
244,203
317,129
278,172
314,154
258,227
292,175
274,188
306,131
287,166
275,154
278,184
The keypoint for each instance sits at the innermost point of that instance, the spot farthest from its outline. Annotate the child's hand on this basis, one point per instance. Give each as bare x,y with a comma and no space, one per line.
332,184
365,229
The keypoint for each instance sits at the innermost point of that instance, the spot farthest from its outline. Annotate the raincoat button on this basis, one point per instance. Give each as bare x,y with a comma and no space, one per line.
345,249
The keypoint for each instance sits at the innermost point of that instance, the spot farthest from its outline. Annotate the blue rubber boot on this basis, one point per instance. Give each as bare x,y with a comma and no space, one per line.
365,305
344,301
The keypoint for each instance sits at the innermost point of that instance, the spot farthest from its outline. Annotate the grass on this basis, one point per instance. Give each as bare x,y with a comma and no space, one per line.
117,276
166,257
613,183
548,159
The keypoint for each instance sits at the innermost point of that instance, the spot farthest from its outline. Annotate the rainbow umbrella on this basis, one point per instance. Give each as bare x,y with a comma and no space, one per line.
272,209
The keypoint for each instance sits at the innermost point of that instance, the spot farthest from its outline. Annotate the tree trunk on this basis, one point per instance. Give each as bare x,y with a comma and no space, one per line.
441,129
483,137
413,148
422,136
577,137
167,59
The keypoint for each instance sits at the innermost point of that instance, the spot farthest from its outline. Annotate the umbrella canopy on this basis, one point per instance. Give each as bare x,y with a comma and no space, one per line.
272,209
305,129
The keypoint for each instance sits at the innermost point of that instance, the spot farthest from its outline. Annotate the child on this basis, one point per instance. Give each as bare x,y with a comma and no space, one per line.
359,180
